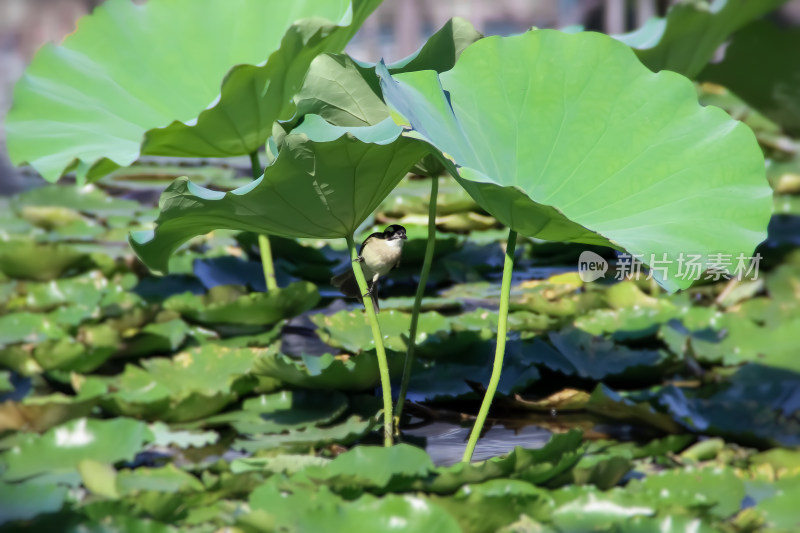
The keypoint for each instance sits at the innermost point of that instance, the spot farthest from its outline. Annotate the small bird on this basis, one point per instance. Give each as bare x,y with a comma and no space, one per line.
379,253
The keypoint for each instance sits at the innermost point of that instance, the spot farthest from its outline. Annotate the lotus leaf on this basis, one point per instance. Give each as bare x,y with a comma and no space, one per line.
345,432
373,468
538,466
23,501
322,185
605,152
490,505
686,40
346,373
40,413
224,306
348,330
61,449
192,384
600,359
283,411
164,479
145,79
39,261
757,53
345,92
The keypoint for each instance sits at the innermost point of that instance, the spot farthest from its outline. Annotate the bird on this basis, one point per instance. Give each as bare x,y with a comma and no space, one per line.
378,255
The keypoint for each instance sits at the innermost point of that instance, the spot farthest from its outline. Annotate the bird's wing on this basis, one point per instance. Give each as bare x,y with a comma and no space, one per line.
377,234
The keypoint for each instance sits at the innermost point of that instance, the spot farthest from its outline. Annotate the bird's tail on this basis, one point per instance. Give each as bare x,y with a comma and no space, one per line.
346,283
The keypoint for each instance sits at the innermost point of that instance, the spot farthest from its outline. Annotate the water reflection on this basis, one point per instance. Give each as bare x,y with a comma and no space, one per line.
446,441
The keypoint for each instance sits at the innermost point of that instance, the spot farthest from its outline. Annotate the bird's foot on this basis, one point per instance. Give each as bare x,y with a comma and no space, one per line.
359,259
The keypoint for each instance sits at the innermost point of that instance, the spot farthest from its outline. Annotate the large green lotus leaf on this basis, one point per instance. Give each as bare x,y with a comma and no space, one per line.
346,92
145,79
570,138
757,68
62,448
322,185
686,40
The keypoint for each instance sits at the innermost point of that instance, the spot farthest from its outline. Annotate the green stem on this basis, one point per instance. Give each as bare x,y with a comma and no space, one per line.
423,281
383,366
266,263
502,328
263,240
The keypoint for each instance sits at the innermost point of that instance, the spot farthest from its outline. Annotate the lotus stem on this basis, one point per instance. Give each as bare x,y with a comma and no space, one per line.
423,281
383,365
263,241
500,350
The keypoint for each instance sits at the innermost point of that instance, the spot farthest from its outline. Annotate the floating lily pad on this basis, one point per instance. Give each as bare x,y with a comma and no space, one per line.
61,449
164,436
344,372
88,199
598,358
375,469
190,385
164,479
26,500
27,327
39,261
496,503
39,413
718,492
227,304
350,331
578,121
448,376
297,506
561,453
605,402
734,339
284,411
141,100
757,405
345,432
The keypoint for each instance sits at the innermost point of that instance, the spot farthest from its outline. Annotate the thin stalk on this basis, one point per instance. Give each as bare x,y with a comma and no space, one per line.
383,366
263,240
502,329
423,281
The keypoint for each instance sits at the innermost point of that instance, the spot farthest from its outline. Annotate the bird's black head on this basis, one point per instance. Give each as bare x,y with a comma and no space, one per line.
395,231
